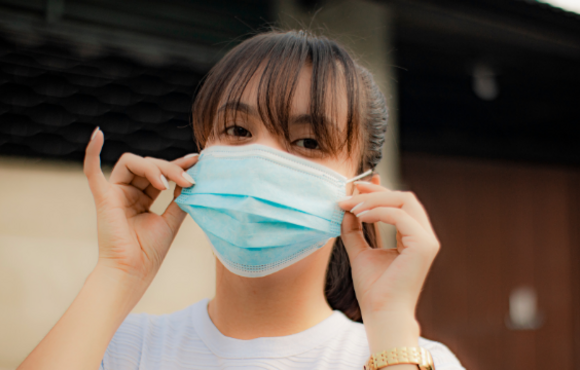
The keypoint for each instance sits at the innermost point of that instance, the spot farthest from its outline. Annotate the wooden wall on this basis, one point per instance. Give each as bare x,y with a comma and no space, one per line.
501,226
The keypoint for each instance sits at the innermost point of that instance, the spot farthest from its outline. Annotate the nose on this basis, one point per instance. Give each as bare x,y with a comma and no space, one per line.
263,136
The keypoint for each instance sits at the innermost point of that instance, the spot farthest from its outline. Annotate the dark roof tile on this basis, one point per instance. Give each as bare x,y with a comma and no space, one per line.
117,95
52,115
54,86
149,85
19,95
176,102
117,123
149,113
85,105
51,100
51,144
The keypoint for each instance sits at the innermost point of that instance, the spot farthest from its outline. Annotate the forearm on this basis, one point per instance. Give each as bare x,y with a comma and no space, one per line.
79,339
390,330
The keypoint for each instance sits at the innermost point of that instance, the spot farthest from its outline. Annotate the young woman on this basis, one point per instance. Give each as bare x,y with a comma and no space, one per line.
285,120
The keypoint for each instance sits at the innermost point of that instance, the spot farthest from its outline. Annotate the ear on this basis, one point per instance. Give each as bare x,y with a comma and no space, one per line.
376,179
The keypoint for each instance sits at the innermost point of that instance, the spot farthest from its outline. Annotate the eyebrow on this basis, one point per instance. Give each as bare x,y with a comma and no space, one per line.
238,107
252,111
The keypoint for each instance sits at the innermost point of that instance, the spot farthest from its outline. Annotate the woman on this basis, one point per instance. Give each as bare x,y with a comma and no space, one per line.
285,118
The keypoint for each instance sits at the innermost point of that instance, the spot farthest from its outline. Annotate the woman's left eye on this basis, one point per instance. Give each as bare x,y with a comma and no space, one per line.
238,131
307,143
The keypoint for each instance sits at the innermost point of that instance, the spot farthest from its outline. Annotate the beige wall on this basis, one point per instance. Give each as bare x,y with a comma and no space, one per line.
48,245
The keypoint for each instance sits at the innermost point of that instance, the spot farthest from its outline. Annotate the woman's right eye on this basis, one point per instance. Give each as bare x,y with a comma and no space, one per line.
238,131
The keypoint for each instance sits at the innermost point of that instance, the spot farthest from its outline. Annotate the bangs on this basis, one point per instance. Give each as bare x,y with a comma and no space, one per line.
278,58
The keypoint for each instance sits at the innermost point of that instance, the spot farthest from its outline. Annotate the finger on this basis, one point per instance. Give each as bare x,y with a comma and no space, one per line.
174,215
130,166
404,223
155,170
407,226
152,192
368,187
404,200
143,184
92,164
140,183
173,172
186,161
410,200
352,234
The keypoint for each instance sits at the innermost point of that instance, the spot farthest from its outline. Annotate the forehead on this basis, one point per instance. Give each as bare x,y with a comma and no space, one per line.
300,101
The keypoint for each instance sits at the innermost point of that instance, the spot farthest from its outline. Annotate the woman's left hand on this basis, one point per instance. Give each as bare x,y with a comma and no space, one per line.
388,282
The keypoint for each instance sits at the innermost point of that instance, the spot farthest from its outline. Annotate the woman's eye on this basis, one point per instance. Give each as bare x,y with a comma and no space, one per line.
307,143
238,131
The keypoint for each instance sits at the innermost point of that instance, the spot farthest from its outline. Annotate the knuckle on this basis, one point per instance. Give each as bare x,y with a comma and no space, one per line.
409,196
434,246
397,212
125,157
153,159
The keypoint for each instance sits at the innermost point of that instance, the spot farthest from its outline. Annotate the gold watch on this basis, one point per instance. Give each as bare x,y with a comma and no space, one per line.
399,356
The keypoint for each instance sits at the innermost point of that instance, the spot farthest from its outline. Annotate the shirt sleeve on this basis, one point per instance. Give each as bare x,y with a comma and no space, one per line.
443,358
125,349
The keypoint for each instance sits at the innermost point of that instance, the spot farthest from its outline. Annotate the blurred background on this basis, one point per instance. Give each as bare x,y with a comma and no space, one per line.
484,128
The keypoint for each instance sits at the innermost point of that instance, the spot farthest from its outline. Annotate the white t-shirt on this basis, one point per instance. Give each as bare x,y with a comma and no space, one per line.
188,339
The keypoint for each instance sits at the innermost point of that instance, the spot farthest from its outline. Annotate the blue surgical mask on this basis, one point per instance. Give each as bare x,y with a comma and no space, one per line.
261,208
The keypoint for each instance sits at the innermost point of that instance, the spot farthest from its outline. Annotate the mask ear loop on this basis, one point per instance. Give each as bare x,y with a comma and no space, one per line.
362,175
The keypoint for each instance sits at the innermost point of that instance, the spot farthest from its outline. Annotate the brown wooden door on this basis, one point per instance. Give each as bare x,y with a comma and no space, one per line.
501,226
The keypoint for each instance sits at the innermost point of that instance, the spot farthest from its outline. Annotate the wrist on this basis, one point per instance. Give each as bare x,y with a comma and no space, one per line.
387,330
126,288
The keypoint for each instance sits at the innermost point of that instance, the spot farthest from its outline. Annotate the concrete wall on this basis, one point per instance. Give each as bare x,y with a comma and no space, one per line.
48,246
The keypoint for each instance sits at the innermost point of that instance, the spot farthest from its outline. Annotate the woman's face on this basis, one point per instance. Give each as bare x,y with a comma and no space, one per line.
248,128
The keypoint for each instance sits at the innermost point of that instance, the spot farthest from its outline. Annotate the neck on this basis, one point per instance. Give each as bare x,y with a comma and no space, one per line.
284,303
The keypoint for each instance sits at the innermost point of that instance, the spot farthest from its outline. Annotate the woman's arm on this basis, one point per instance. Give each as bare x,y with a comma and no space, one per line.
81,336
388,282
132,245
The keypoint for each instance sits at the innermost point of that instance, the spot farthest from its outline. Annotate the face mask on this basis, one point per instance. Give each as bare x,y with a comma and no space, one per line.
261,208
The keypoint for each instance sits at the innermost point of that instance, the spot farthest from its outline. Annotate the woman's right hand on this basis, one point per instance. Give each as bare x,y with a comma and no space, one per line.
132,239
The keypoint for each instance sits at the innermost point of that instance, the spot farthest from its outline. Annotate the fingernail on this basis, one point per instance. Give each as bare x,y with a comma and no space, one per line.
362,213
94,133
191,155
164,181
362,182
355,207
188,178
345,198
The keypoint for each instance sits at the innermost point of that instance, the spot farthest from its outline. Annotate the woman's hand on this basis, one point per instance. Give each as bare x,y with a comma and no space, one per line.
388,281
132,239
132,244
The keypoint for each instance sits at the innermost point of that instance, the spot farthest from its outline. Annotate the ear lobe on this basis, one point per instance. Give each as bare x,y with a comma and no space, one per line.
376,179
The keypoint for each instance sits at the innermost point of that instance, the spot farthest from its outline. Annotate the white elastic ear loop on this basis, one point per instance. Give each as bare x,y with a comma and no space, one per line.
362,175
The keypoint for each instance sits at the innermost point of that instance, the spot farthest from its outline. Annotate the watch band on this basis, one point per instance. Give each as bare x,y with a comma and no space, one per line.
401,355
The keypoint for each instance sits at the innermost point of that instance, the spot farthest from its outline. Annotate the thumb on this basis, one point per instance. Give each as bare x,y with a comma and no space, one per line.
352,235
173,214
92,165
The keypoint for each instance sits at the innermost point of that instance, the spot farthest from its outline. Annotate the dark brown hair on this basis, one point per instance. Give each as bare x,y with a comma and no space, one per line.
280,56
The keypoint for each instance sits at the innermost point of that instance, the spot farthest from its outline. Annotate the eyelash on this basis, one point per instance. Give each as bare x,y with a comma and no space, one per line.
232,128
229,131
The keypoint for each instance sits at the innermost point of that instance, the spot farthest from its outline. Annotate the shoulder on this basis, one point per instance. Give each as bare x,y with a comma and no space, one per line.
443,358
